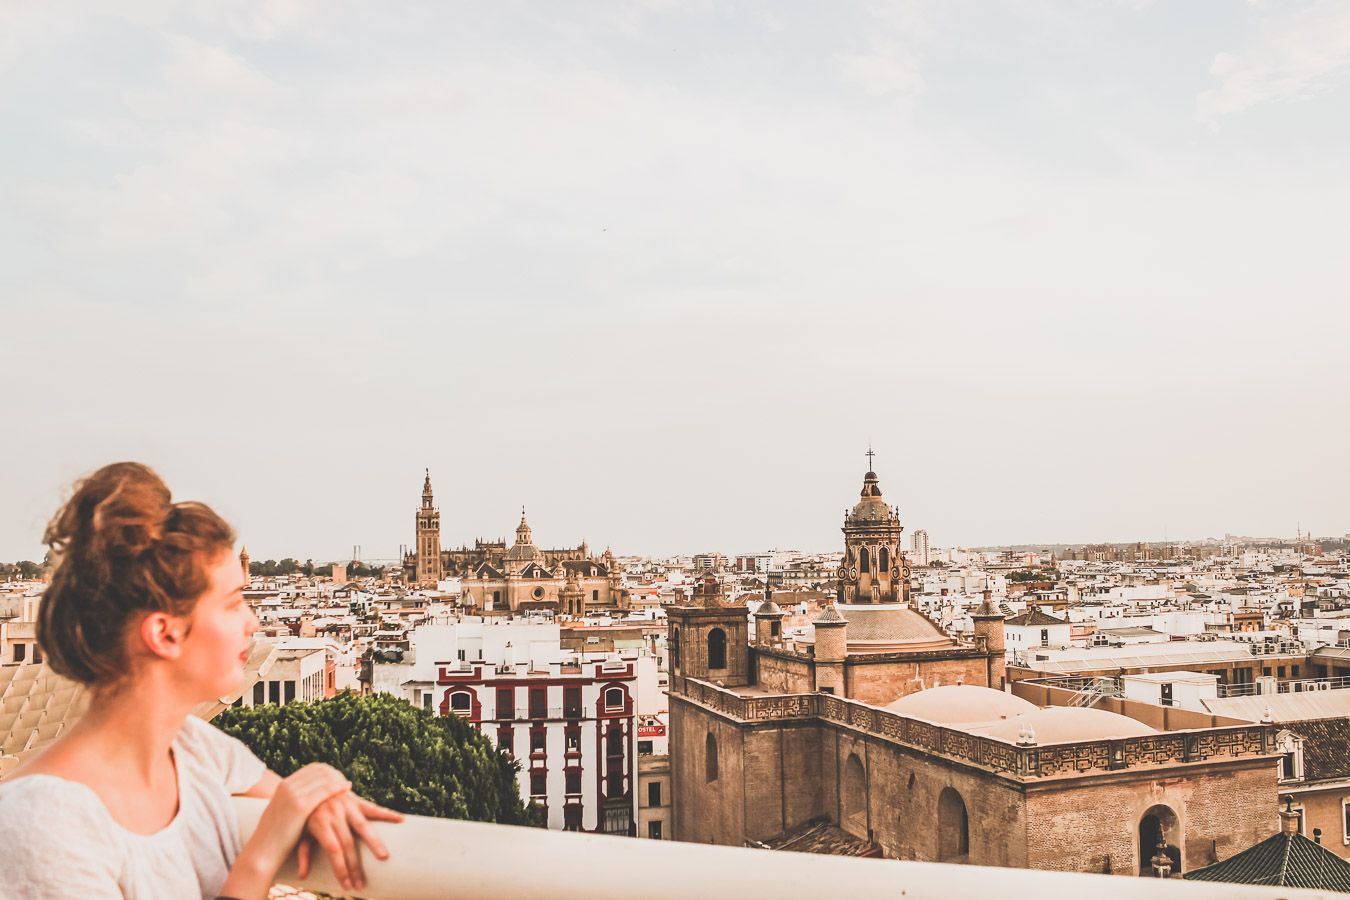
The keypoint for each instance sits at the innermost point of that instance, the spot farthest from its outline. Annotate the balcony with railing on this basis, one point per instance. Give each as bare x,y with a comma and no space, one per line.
1288,686
436,858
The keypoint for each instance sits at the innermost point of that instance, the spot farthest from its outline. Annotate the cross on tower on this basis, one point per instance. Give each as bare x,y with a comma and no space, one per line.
870,454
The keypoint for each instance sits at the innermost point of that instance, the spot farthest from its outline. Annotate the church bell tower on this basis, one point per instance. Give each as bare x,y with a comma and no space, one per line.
874,569
428,538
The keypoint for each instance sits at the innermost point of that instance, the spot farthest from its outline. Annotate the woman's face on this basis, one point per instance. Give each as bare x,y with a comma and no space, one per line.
216,647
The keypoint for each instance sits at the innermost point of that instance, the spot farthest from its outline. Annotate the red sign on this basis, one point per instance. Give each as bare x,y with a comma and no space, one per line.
645,731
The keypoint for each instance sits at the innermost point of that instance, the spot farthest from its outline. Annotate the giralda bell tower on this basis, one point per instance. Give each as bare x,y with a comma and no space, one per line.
428,538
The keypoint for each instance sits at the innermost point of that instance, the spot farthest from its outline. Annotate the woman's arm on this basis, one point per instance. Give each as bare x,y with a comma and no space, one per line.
334,826
280,828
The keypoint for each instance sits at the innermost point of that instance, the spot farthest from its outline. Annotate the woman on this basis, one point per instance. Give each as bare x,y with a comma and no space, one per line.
146,608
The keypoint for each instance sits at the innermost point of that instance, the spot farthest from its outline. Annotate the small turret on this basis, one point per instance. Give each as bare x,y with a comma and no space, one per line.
988,620
243,563
831,649
768,620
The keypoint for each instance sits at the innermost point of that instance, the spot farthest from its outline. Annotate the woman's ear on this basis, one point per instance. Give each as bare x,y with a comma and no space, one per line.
163,634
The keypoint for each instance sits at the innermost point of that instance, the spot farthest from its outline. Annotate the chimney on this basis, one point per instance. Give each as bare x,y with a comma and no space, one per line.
1288,818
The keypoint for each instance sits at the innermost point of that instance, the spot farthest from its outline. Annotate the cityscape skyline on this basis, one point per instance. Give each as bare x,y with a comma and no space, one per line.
383,550
908,435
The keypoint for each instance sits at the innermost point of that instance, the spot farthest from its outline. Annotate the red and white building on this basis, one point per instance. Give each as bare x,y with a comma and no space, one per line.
570,719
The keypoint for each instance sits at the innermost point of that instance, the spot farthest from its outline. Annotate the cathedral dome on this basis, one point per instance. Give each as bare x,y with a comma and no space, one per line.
870,508
891,628
1065,725
956,704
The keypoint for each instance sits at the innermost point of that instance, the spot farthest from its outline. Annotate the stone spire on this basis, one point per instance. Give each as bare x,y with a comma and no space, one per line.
874,568
523,533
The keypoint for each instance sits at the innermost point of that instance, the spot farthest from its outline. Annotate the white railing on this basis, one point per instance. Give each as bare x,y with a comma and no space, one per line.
1288,686
437,858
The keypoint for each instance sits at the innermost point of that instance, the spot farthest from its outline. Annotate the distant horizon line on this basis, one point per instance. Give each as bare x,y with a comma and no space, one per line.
1025,545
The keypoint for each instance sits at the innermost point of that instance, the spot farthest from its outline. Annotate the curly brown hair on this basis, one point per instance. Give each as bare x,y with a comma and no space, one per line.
122,547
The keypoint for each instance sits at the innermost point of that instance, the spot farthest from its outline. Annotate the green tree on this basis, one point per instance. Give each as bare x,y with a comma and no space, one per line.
1025,575
394,753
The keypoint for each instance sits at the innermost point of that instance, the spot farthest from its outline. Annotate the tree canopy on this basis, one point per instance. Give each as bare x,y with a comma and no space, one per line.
24,569
393,753
1024,575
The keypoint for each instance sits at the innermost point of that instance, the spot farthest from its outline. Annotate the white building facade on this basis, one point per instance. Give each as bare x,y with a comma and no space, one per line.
570,720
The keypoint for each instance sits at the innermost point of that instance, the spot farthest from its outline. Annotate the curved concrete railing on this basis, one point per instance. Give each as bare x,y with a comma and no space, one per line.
437,858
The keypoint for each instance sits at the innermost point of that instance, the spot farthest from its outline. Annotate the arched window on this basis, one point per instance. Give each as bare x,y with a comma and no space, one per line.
614,698
717,649
864,560
461,701
953,827
1159,830
710,757
883,560
853,797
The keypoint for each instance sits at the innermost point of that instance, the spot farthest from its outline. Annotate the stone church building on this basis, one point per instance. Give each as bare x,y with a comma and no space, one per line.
903,742
497,579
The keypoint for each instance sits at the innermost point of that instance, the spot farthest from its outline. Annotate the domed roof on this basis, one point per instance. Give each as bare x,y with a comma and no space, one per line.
1066,724
954,704
870,507
891,628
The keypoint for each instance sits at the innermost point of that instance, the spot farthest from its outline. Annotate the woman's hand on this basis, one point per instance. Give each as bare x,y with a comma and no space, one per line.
334,827
280,827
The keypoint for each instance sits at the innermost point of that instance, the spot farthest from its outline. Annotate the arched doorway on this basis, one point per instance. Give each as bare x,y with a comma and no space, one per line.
953,827
1159,826
853,797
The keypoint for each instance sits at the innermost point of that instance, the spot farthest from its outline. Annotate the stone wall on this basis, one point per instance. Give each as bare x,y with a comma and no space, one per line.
903,787
784,674
1093,825
880,681
768,781
1322,809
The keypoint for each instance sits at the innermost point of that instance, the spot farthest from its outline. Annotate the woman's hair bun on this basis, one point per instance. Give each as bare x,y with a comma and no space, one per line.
119,512
122,547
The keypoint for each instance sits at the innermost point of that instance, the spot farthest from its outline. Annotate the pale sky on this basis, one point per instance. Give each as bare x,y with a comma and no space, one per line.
660,271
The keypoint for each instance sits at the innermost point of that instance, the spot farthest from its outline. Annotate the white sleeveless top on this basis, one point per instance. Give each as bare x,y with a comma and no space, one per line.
58,840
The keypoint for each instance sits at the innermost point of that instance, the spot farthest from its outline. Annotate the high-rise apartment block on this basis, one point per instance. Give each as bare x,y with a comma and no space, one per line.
918,545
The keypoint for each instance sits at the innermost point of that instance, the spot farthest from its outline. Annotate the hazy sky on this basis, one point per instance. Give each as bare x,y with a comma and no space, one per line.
659,271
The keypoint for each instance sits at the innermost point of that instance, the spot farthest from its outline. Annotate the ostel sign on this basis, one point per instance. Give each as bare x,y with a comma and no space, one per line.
646,731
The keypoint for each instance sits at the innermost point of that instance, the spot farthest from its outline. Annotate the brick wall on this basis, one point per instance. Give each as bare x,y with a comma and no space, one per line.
902,809
1322,809
882,682
1089,826
784,675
